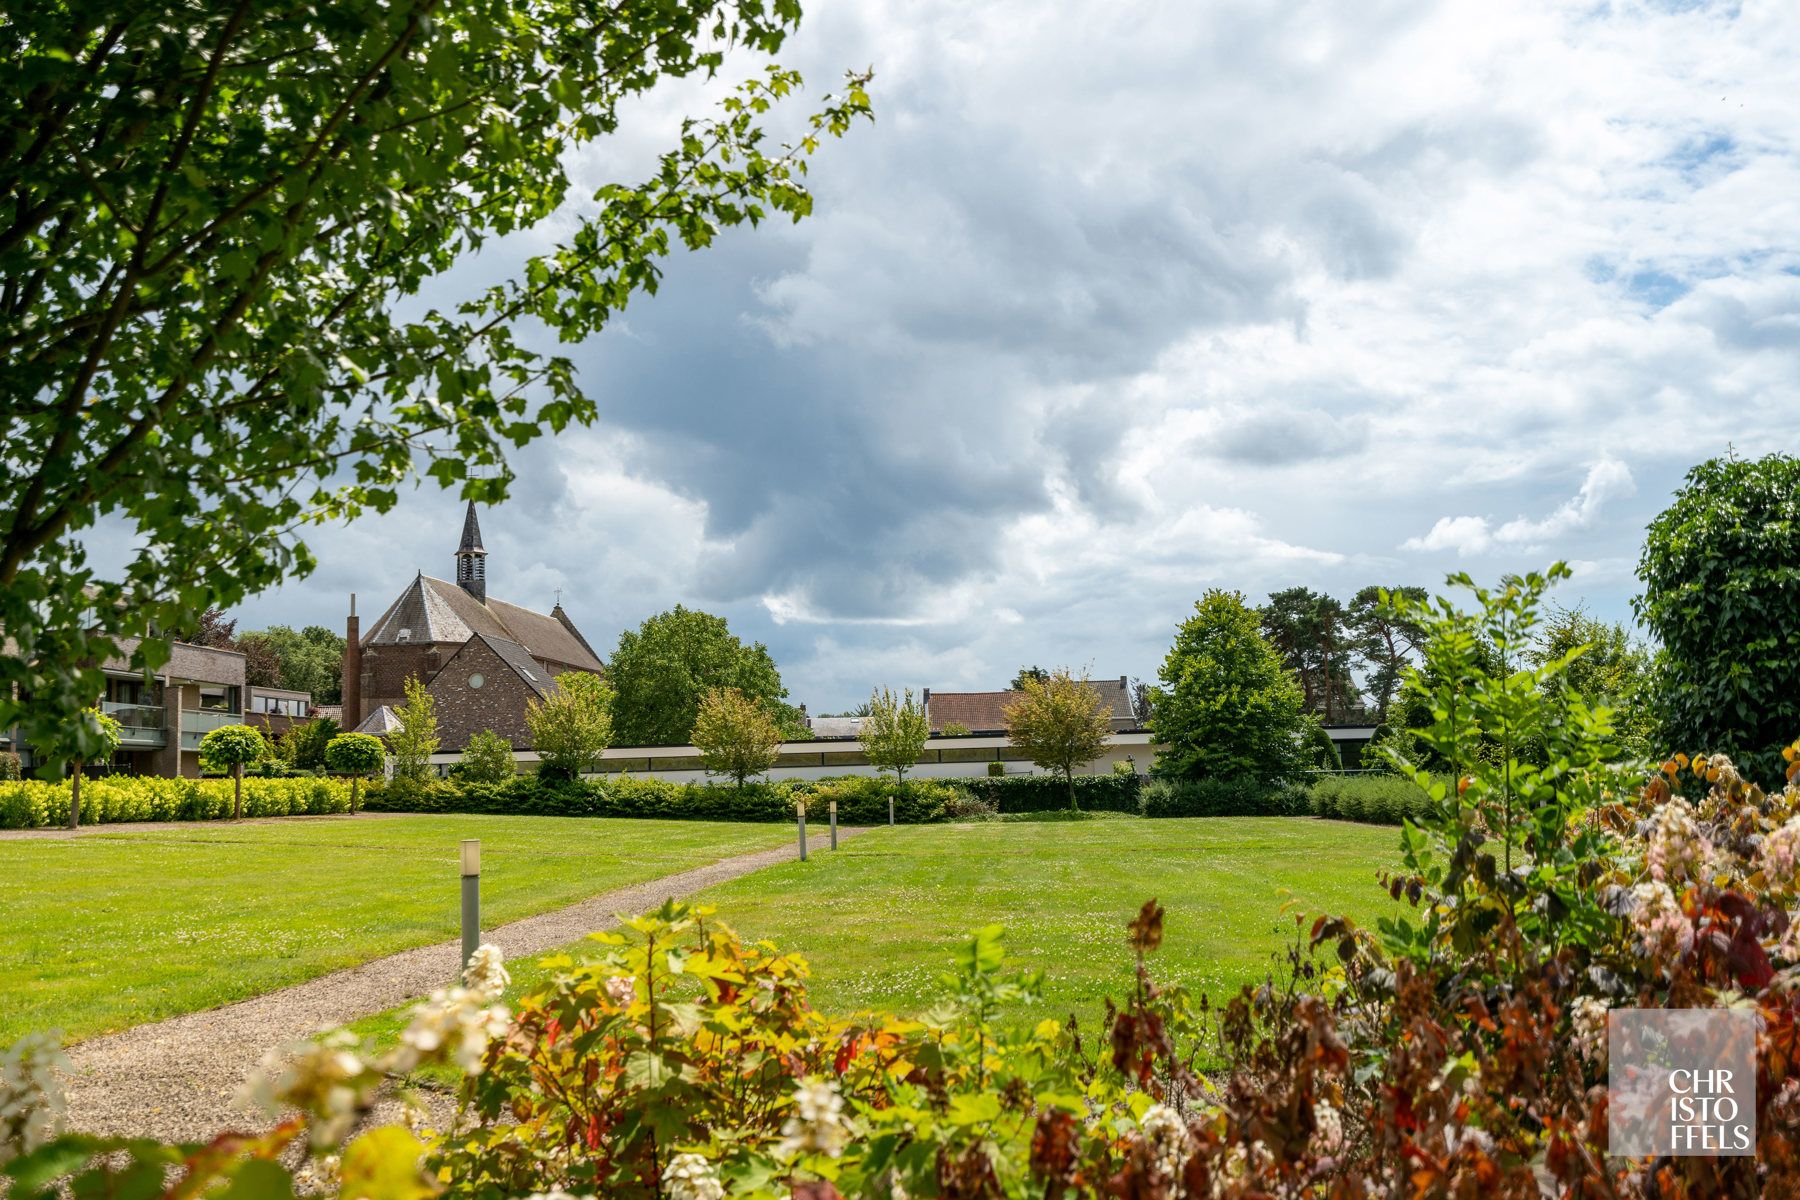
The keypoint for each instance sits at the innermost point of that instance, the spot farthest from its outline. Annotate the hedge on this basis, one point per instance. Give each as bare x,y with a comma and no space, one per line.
861,800
1043,793
34,804
1372,799
1222,798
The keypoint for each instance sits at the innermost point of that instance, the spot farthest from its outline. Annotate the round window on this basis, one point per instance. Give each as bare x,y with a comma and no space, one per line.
476,680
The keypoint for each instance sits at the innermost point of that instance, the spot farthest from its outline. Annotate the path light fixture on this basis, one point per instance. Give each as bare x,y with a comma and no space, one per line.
800,815
834,824
471,901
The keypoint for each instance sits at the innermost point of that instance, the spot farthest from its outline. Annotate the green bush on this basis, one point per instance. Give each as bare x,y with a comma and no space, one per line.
996,769
861,800
9,766
1372,799
1040,793
1236,797
33,804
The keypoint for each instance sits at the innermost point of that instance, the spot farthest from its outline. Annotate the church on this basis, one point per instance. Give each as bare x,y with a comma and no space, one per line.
483,660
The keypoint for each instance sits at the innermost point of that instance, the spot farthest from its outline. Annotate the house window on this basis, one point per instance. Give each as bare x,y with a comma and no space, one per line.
476,680
215,698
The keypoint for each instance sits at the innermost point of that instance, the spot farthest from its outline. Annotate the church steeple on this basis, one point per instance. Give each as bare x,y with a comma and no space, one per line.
471,558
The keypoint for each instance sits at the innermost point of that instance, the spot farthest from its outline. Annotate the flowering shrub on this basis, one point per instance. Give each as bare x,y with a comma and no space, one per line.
33,804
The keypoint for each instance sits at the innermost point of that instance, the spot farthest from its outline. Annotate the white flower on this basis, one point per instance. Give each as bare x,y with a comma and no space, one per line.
1660,922
1167,1136
817,1125
455,1021
1587,1016
486,976
31,1100
622,989
1328,1132
691,1177
556,1193
1677,847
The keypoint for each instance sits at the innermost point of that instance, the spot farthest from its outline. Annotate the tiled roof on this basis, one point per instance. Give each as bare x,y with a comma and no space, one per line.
434,610
985,712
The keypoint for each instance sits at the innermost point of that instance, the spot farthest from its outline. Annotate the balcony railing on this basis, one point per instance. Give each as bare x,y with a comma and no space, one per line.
139,724
197,723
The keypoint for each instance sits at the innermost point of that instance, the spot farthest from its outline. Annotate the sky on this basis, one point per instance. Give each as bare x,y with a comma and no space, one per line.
1117,302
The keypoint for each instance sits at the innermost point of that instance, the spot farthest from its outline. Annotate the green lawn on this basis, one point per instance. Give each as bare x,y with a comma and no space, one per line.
879,919
116,928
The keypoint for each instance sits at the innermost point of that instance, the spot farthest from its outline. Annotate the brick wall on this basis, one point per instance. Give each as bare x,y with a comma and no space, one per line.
498,704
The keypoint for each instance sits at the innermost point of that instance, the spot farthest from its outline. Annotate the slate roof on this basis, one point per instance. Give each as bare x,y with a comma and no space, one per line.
985,712
381,722
520,660
435,610
471,538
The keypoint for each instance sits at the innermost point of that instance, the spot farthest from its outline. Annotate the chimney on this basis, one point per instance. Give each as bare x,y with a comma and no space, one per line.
352,682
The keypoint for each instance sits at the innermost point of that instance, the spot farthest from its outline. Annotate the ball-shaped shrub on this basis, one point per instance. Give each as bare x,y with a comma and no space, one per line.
232,746
355,755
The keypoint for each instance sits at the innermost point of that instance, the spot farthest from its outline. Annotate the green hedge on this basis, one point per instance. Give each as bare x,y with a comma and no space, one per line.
1222,798
34,804
1043,793
860,800
1372,799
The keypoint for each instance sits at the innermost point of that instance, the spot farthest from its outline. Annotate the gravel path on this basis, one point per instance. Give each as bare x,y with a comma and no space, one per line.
176,1078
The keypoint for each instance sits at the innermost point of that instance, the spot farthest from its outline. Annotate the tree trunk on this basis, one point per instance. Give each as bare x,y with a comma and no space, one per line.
237,799
75,798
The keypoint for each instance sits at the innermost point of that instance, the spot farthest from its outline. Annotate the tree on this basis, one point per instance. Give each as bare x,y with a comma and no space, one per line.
1612,670
663,669
310,660
215,629
1229,707
416,739
1308,628
488,758
102,741
1385,639
572,726
893,734
1060,723
262,665
1722,595
1032,672
222,227
356,755
230,747
305,743
1143,702
735,735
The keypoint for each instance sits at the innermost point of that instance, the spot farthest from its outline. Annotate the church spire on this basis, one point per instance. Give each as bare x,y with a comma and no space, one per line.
471,558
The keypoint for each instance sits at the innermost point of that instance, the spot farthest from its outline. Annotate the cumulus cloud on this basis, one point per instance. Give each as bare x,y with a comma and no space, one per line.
1607,480
1119,302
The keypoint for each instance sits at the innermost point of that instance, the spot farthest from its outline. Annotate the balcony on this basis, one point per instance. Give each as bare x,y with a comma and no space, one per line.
140,725
196,723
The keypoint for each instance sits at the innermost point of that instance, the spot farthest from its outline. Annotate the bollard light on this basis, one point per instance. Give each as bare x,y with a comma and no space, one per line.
800,816
890,810
471,901
834,824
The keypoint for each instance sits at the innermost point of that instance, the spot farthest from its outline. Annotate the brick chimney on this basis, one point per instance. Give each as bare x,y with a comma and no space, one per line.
352,669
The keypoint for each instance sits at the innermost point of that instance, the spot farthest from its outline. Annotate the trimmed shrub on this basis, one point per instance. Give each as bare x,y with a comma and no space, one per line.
1372,799
1039,793
33,804
1233,797
9,766
996,769
861,800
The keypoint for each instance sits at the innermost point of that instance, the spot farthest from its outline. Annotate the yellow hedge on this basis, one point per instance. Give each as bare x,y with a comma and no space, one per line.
33,804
